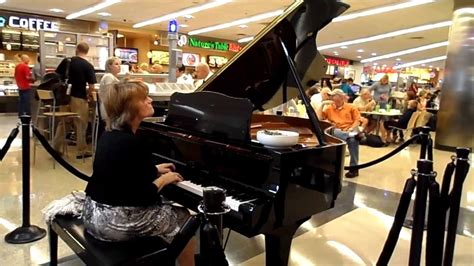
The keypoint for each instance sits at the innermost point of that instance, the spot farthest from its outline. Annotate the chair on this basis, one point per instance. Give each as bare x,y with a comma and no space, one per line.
417,120
52,115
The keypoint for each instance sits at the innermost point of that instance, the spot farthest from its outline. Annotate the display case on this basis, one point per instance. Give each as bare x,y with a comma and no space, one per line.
57,45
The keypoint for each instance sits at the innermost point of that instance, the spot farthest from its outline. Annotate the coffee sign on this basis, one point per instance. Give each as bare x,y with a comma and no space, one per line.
28,23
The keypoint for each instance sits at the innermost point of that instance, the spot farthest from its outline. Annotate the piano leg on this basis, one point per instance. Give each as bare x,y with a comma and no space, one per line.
278,244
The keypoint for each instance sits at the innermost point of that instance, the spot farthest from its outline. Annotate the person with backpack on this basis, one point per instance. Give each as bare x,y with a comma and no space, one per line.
81,77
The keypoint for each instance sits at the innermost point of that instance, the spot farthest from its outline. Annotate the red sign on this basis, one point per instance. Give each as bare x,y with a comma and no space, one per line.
337,62
233,47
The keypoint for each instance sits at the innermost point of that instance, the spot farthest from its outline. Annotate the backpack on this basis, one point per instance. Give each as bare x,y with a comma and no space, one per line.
373,141
53,82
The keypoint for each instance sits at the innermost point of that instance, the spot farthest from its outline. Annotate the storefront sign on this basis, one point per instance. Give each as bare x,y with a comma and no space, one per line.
337,62
28,23
213,45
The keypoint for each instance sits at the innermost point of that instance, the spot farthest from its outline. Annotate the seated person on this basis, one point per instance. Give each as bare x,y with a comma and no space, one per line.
345,118
365,103
318,99
402,122
122,197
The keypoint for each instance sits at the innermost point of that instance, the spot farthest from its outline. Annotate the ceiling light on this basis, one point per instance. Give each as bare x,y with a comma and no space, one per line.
423,64
104,14
335,52
246,39
243,26
92,9
429,60
187,11
373,54
359,56
388,35
360,50
120,35
343,47
56,10
188,16
237,22
380,10
409,51
384,65
431,66
398,59
183,25
374,64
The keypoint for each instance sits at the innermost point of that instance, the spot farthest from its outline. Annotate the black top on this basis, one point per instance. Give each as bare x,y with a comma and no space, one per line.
81,73
123,172
405,118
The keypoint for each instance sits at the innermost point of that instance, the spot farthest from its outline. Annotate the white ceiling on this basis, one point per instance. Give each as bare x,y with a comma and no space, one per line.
133,11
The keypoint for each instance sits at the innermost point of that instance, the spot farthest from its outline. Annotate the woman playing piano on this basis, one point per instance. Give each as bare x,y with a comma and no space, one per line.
123,200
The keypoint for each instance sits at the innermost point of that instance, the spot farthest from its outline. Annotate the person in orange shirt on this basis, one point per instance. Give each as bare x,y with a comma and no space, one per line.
23,82
345,118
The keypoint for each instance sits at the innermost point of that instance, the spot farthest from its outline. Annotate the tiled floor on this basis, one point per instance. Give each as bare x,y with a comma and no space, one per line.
352,233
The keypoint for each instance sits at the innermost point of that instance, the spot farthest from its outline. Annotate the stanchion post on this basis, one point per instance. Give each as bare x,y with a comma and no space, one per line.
26,233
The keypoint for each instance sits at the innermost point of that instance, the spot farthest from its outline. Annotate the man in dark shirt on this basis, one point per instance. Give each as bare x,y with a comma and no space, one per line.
81,75
402,123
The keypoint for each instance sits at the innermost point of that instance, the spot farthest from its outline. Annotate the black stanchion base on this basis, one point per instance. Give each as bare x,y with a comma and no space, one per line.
25,234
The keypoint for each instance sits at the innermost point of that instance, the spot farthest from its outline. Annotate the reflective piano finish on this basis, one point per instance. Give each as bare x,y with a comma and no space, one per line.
208,135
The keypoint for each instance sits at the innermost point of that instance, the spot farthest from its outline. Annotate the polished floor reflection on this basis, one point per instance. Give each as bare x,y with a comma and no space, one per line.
350,234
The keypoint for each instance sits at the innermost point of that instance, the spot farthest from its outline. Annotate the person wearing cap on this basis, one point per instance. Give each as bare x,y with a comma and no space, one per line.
345,118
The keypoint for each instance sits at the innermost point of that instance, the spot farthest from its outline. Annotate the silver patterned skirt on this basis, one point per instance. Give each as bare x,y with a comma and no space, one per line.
123,223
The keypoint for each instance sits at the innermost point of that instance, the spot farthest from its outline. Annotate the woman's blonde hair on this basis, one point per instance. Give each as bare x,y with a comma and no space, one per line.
121,103
110,61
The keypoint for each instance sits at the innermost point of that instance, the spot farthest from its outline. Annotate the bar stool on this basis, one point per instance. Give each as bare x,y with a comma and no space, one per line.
53,115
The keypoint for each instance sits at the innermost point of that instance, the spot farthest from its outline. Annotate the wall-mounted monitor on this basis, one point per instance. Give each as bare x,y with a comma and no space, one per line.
217,61
191,59
127,55
159,57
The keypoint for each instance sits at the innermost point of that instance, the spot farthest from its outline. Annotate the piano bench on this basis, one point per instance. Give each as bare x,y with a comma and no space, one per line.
95,252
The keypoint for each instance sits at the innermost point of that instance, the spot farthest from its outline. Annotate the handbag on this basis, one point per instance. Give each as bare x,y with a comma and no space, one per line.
59,86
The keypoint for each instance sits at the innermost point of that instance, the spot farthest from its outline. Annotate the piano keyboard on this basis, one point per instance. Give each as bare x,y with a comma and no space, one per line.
234,201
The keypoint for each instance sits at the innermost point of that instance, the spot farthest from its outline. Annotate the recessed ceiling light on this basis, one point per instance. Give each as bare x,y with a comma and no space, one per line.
104,14
92,9
184,12
120,35
243,26
384,65
409,51
388,35
183,25
374,64
374,54
344,47
56,10
237,22
431,66
188,16
359,56
380,10
246,39
360,50
335,52
398,59
429,60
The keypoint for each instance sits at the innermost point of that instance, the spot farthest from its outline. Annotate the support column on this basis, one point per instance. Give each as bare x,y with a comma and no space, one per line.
455,125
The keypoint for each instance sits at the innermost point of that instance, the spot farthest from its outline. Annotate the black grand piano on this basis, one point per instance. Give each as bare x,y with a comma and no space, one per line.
210,134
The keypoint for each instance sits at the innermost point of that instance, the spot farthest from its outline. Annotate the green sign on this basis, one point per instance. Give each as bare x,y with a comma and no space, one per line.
221,46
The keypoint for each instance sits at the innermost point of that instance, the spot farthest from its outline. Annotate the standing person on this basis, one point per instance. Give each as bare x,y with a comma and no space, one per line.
182,77
345,118
381,91
82,79
112,69
326,83
23,79
123,195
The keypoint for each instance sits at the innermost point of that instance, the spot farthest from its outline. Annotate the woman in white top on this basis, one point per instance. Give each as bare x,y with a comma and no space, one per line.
112,69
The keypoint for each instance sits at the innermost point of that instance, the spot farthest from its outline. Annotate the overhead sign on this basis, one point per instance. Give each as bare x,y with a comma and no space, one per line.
173,26
337,61
213,45
28,23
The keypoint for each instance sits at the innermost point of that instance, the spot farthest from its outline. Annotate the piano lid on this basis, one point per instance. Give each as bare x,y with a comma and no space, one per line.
259,69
